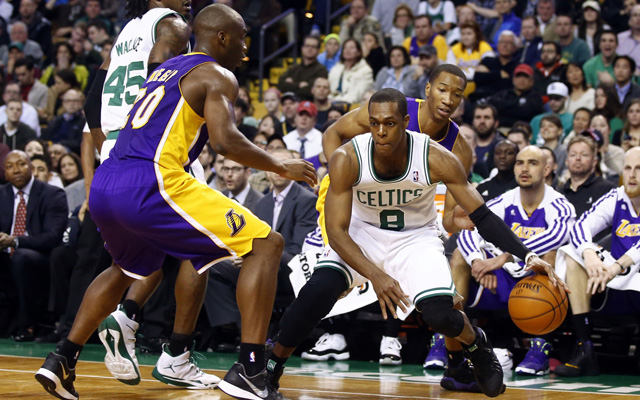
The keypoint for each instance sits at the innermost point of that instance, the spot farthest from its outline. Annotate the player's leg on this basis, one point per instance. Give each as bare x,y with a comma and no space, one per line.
583,362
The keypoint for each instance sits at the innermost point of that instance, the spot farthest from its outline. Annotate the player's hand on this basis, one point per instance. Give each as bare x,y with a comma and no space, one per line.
480,268
593,264
461,219
599,283
489,281
389,293
542,267
300,170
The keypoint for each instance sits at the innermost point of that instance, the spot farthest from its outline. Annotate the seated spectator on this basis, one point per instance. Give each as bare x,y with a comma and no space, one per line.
551,132
427,61
320,90
607,104
305,139
485,123
243,93
43,172
66,129
56,151
507,19
573,49
546,11
260,140
550,157
70,169
30,230
580,95
469,51
270,126
478,266
623,67
593,269
352,76
599,68
38,26
358,23
518,136
332,50
206,157
519,103
19,34
241,109
441,12
591,25
398,74
373,53
551,67
557,93
629,136
65,80
581,122
611,156
495,73
531,41
33,92
465,14
92,13
628,40
583,186
423,35
299,78
271,100
83,50
63,17
290,102
29,115
34,147
384,12
504,158
402,25
14,133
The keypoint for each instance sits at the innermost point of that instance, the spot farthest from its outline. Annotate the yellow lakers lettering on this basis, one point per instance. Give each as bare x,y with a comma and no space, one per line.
162,75
626,229
525,232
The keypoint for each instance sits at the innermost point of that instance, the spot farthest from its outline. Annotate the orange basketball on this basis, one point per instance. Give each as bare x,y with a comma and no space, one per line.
536,306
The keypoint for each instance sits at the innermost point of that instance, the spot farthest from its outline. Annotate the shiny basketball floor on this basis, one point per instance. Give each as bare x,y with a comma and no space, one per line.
303,380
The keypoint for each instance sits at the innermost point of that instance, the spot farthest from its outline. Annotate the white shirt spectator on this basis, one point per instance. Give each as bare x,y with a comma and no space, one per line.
29,116
312,146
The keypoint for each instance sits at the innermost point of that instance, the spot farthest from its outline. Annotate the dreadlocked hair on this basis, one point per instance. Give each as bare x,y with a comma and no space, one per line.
136,8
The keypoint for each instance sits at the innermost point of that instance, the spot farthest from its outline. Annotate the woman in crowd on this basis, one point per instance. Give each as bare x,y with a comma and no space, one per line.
352,76
629,136
331,54
402,25
469,51
270,126
271,100
64,56
591,25
580,96
581,122
398,74
260,140
34,147
612,156
373,53
64,79
70,169
607,103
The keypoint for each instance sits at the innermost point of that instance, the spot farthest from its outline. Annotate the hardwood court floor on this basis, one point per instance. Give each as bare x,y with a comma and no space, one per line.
303,381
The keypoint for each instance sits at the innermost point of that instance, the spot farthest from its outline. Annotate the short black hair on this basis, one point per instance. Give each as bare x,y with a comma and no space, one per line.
24,62
389,95
449,68
630,60
555,46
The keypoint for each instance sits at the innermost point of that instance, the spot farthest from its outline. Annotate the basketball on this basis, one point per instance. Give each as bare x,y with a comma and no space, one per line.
536,306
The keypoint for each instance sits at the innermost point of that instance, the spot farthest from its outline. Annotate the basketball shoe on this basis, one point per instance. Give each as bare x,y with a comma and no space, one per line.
57,378
118,335
239,385
536,362
583,362
460,378
183,371
390,351
328,346
486,367
437,357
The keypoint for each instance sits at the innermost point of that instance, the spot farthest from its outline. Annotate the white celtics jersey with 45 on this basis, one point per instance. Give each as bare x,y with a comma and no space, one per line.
128,67
400,204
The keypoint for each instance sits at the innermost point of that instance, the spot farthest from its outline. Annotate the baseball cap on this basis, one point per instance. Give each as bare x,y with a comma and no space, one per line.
289,95
523,69
309,107
591,4
427,50
557,89
595,135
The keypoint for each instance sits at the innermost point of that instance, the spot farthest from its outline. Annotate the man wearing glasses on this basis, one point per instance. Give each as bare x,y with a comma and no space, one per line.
66,129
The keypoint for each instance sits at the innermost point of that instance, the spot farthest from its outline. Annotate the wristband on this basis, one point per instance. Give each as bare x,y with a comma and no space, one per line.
621,267
529,255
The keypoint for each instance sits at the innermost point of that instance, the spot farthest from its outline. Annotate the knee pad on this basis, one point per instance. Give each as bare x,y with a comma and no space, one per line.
314,301
439,314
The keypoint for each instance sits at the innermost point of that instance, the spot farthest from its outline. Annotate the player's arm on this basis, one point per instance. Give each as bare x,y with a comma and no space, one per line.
344,170
454,219
446,167
93,104
172,37
350,125
88,159
211,91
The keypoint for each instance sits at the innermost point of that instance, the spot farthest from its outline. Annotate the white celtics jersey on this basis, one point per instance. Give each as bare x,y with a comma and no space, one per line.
400,204
128,67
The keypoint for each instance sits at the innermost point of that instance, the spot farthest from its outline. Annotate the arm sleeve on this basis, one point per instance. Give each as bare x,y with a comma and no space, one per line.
494,230
469,242
592,222
560,216
93,104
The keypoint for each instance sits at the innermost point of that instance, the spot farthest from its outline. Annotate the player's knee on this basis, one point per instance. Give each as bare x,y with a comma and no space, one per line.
276,240
439,314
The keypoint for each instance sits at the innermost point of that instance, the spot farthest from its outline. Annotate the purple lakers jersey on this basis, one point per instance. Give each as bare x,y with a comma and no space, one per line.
161,127
413,108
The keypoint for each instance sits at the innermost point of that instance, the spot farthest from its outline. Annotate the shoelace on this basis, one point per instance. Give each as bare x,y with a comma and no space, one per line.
323,339
394,343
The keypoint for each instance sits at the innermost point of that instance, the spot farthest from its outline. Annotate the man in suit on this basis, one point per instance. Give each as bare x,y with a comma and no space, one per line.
236,179
33,216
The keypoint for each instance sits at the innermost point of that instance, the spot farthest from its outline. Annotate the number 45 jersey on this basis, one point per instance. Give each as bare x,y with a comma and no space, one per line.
400,204
161,126
128,67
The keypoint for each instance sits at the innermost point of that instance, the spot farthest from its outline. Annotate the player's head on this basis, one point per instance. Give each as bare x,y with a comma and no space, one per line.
631,172
531,168
504,155
220,32
445,89
388,120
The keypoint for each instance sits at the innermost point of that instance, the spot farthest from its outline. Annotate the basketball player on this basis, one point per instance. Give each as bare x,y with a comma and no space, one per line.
382,227
147,206
158,31
591,269
542,218
430,116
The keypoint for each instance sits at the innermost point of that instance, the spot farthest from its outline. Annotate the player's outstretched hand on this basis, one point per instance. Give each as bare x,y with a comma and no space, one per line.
542,267
300,170
389,294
